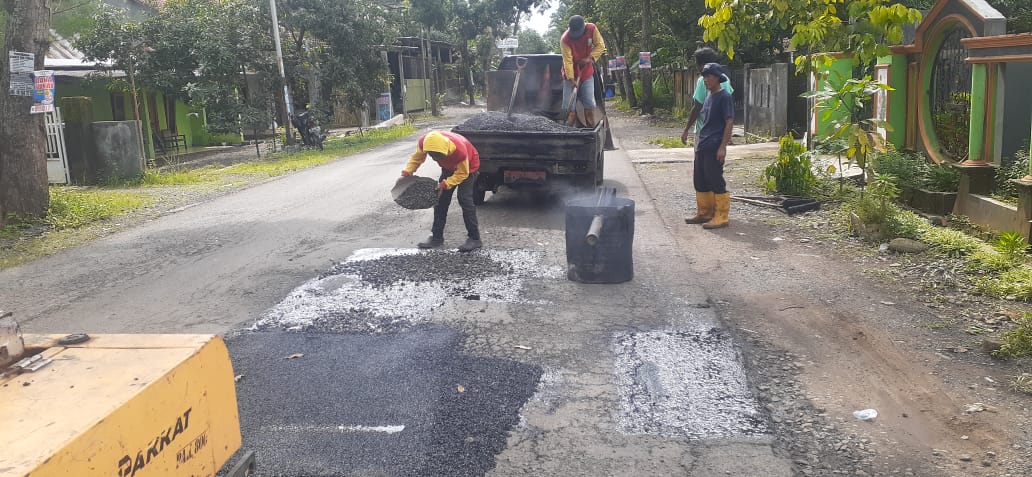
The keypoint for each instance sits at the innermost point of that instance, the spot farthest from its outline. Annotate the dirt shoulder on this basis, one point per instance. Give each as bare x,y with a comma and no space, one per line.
829,326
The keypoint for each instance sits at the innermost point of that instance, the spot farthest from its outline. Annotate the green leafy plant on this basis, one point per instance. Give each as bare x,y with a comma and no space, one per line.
1011,245
909,170
1013,167
1017,342
74,207
792,172
906,224
941,179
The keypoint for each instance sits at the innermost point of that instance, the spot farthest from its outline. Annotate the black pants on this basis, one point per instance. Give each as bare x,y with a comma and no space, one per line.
469,211
708,174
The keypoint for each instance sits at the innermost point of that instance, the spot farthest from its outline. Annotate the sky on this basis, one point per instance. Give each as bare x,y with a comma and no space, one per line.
539,21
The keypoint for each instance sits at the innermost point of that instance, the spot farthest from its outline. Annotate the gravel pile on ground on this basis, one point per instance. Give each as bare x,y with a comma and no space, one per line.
496,121
428,266
420,193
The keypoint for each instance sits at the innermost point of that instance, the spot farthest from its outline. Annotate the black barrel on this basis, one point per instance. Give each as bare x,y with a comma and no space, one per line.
609,260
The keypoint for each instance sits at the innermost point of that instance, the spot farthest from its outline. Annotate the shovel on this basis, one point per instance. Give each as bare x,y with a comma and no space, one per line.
521,62
572,117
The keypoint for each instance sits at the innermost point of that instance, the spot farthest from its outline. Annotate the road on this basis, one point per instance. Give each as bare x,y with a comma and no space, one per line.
359,355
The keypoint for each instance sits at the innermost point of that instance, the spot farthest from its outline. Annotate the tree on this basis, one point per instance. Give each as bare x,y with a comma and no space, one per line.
646,73
864,28
23,169
531,43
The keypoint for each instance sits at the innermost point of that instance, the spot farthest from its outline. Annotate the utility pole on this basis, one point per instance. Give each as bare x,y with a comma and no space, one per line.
646,40
288,103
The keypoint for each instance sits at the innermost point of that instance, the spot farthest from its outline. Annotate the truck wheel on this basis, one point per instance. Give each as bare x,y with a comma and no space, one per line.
479,196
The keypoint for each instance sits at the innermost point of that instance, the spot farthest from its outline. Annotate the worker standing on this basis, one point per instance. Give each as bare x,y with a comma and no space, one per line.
705,200
718,117
582,46
460,164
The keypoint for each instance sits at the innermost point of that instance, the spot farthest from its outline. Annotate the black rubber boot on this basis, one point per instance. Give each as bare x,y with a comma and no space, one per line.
431,242
470,245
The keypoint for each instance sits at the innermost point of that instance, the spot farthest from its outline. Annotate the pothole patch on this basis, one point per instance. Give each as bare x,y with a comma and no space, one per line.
685,383
388,290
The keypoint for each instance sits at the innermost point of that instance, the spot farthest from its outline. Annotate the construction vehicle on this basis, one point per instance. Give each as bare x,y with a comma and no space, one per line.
533,84
117,405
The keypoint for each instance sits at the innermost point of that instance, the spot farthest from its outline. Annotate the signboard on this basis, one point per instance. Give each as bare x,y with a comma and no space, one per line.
21,73
508,44
618,63
43,94
645,59
383,107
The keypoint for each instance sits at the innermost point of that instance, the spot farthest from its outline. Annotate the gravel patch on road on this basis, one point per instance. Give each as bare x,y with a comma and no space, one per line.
386,290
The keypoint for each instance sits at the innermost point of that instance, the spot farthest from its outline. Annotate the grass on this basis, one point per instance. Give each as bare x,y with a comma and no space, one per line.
1022,383
667,142
78,214
72,207
1017,342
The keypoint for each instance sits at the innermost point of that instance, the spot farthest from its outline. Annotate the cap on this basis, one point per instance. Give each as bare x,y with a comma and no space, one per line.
715,70
576,26
436,142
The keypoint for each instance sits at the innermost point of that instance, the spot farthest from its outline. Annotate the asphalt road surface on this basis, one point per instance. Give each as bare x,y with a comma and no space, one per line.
360,355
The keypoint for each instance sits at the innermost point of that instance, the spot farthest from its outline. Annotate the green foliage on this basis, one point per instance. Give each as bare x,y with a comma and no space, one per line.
792,172
866,28
1014,167
910,170
1017,342
841,100
75,207
951,243
216,139
914,170
952,125
531,43
1011,245
988,262
906,224
941,179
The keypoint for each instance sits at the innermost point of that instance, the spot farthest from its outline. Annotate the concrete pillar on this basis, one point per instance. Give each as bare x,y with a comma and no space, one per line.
977,122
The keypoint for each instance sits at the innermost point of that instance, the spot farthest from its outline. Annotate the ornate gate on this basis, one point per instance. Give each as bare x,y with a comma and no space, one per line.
57,158
951,95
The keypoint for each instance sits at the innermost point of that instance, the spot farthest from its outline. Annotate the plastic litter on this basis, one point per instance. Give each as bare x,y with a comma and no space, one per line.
866,414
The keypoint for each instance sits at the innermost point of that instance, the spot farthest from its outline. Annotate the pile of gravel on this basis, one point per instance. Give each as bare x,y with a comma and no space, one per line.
497,121
416,192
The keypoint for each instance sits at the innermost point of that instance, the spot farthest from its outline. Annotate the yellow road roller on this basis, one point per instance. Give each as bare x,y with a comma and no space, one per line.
117,405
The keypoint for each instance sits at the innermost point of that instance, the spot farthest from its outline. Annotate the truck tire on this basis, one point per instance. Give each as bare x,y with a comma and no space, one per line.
479,196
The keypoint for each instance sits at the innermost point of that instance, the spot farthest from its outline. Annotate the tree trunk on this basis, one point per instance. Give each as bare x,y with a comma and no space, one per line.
646,73
626,82
467,66
23,165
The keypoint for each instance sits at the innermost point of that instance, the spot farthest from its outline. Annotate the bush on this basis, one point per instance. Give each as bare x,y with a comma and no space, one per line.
1014,167
941,179
792,172
909,170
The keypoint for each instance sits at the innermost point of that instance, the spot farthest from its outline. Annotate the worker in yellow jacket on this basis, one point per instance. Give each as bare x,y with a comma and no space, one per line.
460,166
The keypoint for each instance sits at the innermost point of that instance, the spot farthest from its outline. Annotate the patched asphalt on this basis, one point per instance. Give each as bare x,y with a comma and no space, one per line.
409,403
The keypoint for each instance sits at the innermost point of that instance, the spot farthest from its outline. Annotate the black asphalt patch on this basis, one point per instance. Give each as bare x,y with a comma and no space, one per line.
398,404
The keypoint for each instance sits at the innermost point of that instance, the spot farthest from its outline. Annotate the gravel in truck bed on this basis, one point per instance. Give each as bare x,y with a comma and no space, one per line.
498,121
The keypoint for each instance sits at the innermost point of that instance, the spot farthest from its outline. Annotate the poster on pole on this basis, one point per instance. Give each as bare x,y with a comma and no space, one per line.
43,93
21,66
645,60
618,63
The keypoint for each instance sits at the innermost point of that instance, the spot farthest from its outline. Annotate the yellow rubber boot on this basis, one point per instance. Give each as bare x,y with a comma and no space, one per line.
704,210
723,208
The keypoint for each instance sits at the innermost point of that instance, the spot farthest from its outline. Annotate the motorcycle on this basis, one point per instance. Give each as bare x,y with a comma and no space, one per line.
311,134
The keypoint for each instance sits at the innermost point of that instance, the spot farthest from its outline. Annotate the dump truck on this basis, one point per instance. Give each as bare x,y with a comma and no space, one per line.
117,405
532,84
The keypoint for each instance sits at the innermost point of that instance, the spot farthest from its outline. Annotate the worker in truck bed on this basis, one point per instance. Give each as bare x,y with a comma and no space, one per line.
582,46
460,165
